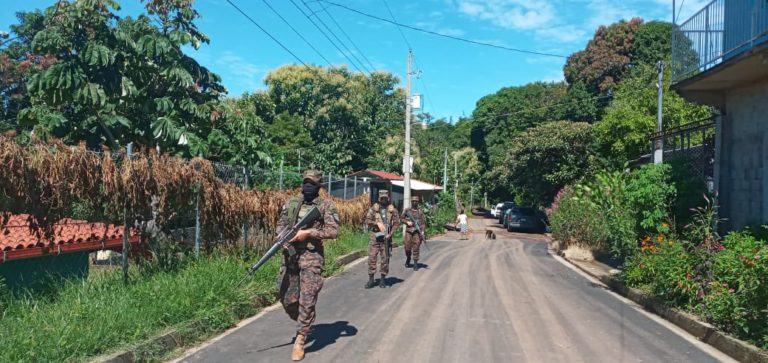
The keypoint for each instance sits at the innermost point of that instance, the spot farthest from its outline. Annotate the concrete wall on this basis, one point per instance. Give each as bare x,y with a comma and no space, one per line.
743,165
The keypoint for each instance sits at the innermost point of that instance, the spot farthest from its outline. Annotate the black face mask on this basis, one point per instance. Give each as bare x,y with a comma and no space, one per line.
384,202
310,191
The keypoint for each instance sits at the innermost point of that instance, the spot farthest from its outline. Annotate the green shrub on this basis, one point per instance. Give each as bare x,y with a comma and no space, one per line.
576,223
690,187
443,212
737,299
650,194
665,268
606,196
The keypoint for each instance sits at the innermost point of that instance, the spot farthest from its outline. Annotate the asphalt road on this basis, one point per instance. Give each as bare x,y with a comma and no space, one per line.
505,300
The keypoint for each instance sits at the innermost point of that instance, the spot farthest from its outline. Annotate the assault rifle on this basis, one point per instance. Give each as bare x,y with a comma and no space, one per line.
416,227
387,236
282,240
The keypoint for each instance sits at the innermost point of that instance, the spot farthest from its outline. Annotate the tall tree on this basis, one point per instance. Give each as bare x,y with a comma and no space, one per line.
544,159
346,113
631,117
122,79
606,59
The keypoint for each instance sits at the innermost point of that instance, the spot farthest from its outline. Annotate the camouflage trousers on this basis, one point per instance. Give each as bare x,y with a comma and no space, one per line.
299,282
412,244
374,250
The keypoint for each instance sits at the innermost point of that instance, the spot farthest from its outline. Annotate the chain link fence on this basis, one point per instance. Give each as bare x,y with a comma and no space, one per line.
144,197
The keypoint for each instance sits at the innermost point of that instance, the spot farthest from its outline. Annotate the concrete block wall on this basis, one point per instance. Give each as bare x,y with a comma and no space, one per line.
744,157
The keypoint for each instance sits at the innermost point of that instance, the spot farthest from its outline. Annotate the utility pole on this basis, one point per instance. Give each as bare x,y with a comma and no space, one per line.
407,157
455,179
445,171
658,153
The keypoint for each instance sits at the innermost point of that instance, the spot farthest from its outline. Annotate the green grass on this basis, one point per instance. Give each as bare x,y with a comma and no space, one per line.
87,318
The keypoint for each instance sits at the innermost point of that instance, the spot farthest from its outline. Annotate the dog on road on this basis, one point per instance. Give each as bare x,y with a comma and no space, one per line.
489,234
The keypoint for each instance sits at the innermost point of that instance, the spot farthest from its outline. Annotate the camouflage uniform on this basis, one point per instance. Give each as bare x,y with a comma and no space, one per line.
301,276
375,248
412,240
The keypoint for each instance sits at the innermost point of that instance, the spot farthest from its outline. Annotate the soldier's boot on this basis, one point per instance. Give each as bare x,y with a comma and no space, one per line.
415,265
383,281
298,348
370,282
408,260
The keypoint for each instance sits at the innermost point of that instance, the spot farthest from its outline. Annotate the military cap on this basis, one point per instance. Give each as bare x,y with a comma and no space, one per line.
314,176
415,198
383,193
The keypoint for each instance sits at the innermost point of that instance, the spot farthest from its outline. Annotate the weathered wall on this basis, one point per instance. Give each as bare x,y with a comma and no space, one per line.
744,157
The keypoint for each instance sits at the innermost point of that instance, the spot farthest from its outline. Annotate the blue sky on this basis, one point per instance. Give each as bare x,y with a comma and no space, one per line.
454,75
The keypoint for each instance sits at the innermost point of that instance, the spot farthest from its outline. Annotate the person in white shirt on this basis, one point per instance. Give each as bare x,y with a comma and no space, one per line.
463,224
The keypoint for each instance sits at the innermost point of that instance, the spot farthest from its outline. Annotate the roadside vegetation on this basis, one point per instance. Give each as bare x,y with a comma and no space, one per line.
75,320
632,216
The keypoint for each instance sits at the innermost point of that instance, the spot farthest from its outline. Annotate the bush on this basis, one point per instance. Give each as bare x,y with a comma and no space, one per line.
690,187
737,299
545,158
577,223
612,209
665,268
650,195
440,214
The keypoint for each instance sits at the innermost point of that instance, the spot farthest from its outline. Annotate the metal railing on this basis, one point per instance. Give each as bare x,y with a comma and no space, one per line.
692,143
716,33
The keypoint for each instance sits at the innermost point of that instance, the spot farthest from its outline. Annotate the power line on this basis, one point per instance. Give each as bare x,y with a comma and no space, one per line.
350,39
337,38
267,33
391,14
674,21
324,34
296,31
441,34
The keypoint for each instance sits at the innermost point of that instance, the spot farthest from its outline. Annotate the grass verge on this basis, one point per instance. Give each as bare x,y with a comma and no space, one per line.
80,320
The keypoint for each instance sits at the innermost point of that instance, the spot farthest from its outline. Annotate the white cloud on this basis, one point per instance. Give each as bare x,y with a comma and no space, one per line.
554,76
606,12
562,33
244,74
511,14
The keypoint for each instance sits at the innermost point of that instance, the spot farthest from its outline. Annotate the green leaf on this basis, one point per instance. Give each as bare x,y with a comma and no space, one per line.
112,120
163,105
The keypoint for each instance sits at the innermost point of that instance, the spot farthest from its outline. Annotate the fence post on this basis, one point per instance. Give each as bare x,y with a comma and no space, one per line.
246,186
126,230
355,184
197,222
330,184
281,174
345,187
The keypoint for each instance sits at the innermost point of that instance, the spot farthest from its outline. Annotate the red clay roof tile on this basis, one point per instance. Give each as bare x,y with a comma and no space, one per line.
16,234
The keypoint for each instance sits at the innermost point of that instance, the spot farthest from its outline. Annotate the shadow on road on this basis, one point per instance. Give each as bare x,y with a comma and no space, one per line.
393,280
423,265
327,334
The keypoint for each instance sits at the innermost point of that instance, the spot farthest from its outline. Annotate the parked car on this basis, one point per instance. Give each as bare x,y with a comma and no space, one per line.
495,210
525,219
504,207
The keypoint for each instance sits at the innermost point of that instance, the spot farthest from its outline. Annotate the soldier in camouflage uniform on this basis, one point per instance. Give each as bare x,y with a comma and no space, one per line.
412,240
382,219
301,275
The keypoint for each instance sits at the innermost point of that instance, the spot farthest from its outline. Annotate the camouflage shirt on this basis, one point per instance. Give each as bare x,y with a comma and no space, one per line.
327,227
417,214
374,216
